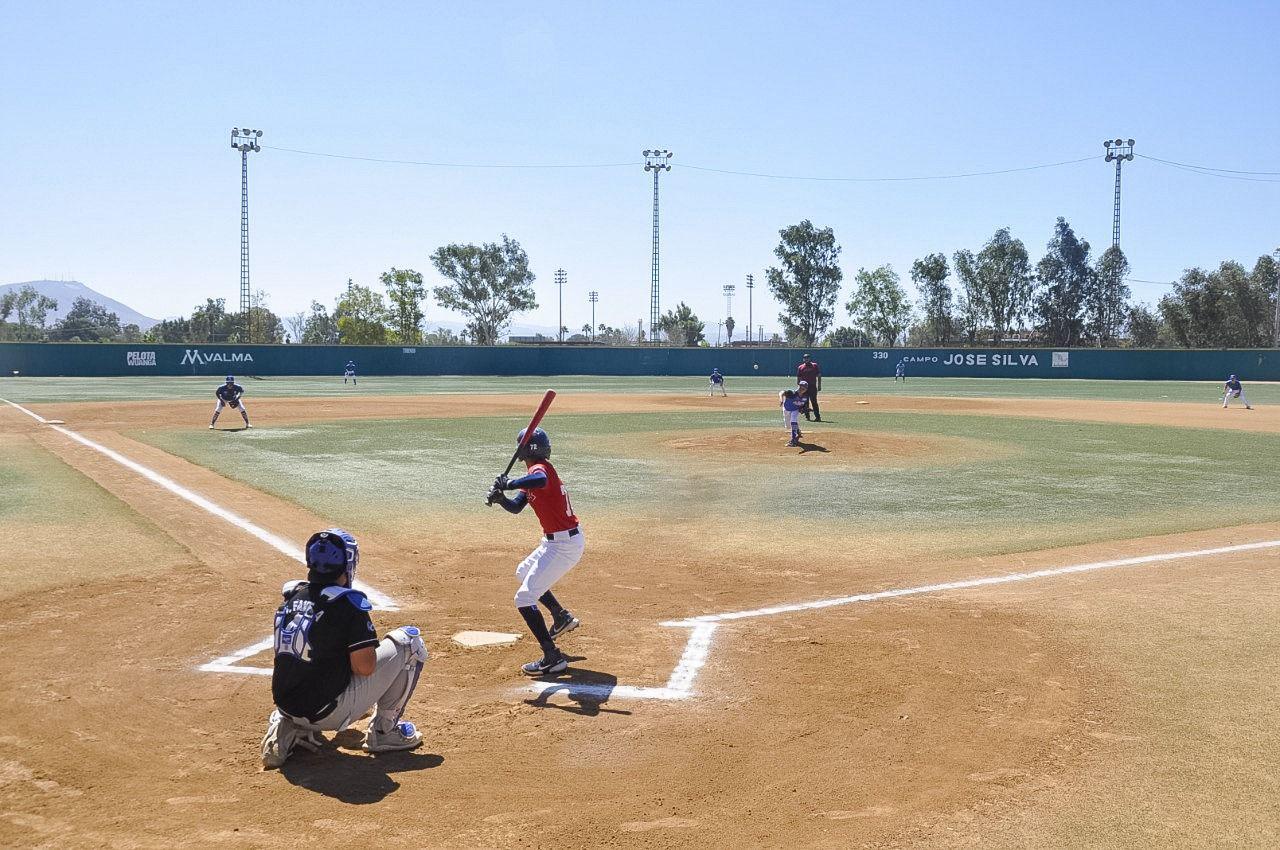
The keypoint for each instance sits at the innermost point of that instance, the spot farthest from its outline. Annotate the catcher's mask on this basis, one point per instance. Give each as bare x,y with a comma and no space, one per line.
332,553
538,447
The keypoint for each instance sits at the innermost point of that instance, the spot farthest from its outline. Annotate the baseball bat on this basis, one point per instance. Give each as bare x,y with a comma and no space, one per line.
547,397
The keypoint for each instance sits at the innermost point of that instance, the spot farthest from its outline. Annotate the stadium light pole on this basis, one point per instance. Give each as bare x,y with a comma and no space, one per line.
560,278
657,161
728,289
751,285
593,296
245,141
1119,150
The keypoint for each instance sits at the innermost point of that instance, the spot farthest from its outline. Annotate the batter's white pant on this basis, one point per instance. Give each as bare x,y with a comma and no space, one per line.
388,687
546,565
1240,395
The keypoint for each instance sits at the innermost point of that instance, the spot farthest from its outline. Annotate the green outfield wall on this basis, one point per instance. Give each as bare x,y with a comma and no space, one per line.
89,360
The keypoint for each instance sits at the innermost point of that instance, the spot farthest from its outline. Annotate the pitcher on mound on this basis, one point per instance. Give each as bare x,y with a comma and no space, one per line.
557,553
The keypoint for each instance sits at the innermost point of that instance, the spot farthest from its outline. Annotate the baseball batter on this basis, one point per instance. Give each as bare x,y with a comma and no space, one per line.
349,371
792,403
330,668
228,395
1233,389
557,553
716,382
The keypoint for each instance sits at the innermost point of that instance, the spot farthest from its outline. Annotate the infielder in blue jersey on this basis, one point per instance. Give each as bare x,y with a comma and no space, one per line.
228,395
900,372
1233,389
349,372
792,404
716,380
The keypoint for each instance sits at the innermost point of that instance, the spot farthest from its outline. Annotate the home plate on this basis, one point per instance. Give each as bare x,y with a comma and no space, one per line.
472,640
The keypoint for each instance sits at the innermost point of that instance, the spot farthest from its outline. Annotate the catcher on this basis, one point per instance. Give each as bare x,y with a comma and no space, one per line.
330,668
228,395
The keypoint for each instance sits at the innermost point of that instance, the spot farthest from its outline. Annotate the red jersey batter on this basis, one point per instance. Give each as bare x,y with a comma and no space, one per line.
551,501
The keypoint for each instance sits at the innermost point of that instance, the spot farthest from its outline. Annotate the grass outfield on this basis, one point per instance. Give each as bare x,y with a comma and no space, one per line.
35,390
968,485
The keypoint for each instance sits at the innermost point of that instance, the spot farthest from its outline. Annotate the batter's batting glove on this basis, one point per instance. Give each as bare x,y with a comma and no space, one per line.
500,483
495,495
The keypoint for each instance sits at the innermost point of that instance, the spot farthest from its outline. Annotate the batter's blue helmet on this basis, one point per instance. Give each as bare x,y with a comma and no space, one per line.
333,552
538,447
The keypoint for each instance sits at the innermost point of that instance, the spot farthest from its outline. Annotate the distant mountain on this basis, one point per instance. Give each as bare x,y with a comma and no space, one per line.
66,291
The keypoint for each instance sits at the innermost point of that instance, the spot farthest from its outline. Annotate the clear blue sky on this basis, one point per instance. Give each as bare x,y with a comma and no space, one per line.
118,170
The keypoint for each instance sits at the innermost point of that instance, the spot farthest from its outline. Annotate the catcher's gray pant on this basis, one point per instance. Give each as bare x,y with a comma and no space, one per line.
388,687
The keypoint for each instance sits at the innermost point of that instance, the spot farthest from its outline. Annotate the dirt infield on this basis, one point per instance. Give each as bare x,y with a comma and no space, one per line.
841,448
1053,713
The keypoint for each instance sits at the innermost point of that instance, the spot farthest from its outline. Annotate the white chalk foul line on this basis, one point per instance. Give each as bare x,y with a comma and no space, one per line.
679,685
964,584
225,664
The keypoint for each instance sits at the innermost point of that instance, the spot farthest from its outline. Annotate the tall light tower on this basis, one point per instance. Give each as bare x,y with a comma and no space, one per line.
751,285
656,161
560,279
245,141
728,290
593,296
1119,150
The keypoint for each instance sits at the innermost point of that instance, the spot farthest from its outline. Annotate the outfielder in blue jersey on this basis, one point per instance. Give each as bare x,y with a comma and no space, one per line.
716,380
349,372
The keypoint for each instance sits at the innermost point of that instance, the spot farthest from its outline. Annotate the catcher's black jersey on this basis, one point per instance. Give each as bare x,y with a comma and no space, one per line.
230,393
316,630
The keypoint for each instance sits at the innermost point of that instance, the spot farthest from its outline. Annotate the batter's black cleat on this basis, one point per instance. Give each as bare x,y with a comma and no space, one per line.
562,624
547,665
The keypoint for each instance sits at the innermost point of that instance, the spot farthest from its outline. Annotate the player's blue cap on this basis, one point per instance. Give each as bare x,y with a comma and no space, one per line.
1233,377
231,379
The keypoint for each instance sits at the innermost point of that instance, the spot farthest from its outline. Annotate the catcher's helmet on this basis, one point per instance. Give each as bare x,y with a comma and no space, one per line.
333,552
538,447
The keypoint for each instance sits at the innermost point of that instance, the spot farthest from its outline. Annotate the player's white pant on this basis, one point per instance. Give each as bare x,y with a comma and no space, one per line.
388,687
239,405
715,386
546,565
790,418
1240,395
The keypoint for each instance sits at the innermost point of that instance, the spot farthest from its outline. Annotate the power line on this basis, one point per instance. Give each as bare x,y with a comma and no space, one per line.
1208,167
886,179
450,164
1222,174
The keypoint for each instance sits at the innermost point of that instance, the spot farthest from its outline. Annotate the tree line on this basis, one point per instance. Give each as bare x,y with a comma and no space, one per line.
995,295
998,295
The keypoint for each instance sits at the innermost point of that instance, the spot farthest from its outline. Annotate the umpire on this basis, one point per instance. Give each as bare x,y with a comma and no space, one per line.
810,372
330,667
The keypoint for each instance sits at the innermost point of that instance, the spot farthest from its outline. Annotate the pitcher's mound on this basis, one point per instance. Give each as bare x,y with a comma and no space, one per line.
862,448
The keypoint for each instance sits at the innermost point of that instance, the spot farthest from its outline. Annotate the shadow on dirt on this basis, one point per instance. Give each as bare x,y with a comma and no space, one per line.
587,690
805,448
340,771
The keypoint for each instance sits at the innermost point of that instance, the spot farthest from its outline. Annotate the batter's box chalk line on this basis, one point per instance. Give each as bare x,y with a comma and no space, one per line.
701,628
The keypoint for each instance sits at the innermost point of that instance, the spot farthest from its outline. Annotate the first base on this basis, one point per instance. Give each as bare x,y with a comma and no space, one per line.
54,422
472,640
